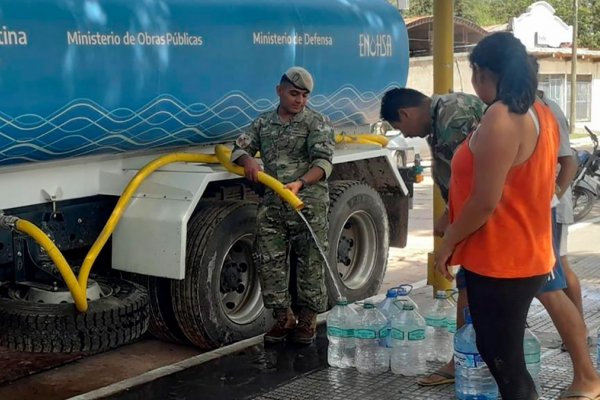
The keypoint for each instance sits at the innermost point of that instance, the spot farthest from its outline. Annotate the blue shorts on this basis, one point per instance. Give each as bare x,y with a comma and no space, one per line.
557,279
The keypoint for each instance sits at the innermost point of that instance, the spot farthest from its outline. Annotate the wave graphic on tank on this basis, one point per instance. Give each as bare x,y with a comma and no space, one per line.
83,127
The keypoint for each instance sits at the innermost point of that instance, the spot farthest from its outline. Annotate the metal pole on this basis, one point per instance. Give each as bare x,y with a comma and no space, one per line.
573,111
443,82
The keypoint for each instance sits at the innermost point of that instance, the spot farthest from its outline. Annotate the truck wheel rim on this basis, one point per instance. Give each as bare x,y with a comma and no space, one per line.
357,250
239,285
39,295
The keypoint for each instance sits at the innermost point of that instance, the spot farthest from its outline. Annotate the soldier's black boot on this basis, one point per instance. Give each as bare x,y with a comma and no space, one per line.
285,322
306,330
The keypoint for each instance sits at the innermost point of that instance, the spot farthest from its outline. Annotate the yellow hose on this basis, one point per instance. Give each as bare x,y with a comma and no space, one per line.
117,213
382,140
78,286
56,256
354,140
223,154
376,140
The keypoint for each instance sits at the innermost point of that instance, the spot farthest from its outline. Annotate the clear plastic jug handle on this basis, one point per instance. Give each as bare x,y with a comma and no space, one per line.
452,295
406,287
399,303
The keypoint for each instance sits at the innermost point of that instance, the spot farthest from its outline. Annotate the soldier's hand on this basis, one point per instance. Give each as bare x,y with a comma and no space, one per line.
294,187
251,169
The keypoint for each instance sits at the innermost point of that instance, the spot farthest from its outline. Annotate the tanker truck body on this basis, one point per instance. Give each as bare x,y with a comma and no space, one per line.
92,91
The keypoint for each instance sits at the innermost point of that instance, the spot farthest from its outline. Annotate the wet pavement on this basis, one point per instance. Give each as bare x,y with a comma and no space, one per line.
291,372
251,372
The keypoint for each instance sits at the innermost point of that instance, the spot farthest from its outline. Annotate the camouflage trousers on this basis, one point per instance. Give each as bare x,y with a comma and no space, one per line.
280,230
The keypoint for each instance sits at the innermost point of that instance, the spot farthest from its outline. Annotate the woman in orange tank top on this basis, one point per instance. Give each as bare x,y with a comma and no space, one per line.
500,194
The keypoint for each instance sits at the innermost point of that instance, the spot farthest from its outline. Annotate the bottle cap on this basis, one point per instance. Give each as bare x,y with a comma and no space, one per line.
341,301
392,293
441,294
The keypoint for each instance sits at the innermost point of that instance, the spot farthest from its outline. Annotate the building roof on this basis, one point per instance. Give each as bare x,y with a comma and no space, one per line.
467,34
420,34
566,53
497,28
412,22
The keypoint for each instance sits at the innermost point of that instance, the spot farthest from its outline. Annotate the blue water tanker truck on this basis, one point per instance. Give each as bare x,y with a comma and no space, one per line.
95,92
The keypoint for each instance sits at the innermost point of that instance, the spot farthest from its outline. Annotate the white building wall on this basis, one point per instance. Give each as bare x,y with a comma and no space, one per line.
539,27
420,74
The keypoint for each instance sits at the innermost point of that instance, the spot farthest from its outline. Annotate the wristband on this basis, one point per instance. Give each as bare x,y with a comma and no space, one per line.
303,181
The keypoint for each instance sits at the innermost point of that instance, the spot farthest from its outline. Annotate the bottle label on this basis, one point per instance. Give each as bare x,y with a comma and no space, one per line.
384,334
339,332
417,334
532,358
436,322
397,334
468,360
451,326
365,334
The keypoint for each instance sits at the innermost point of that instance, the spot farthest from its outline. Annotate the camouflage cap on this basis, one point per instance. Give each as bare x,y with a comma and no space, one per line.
300,78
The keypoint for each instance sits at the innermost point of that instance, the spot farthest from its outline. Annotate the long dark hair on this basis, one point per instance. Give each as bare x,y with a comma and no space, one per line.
506,56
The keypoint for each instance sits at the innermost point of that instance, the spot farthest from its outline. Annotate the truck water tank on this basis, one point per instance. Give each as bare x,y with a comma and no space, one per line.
90,77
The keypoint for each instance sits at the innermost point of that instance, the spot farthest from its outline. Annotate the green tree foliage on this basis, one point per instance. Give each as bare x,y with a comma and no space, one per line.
492,12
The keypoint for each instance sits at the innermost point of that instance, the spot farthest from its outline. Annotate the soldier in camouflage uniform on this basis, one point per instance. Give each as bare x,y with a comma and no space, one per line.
444,121
296,147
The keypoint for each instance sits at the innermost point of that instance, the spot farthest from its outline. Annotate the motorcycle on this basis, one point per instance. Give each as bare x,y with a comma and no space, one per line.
586,186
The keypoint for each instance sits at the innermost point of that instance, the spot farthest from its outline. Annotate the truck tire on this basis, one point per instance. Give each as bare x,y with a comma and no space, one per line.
583,202
219,301
110,321
163,324
358,239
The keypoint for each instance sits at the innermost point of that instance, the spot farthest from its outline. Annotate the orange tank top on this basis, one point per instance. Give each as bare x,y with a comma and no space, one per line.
516,241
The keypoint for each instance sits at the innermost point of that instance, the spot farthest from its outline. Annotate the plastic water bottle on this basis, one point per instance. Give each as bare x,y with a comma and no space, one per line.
451,324
532,350
473,378
341,348
372,357
386,307
439,339
403,291
408,340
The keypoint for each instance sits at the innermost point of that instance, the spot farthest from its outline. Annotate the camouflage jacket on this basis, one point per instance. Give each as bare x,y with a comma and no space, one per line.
453,117
288,150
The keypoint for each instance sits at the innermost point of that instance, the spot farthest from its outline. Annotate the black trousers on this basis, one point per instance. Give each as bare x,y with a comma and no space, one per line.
499,309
